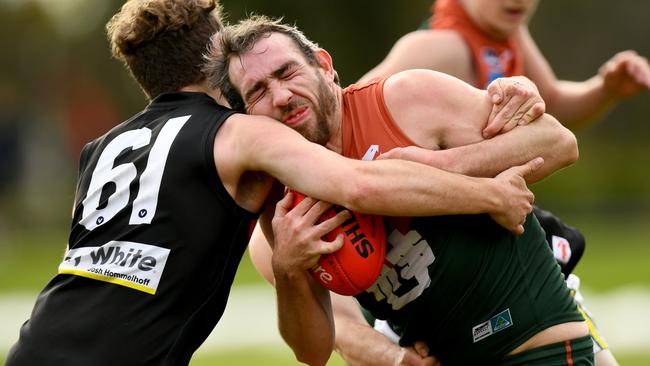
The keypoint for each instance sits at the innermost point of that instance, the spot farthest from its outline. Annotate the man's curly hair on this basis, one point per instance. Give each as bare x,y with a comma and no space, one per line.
162,42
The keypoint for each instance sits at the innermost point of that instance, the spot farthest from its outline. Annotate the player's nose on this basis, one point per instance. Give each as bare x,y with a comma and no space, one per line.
281,95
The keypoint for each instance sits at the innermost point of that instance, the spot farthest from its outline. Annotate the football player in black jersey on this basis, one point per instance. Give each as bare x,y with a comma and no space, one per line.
165,201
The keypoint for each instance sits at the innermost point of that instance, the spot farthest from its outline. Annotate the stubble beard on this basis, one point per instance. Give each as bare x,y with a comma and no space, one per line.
319,132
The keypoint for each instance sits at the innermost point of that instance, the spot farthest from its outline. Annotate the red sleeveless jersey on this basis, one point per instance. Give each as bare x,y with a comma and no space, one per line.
491,58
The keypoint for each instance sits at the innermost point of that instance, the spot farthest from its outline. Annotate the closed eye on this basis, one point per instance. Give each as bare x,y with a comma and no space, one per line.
286,71
254,95
288,74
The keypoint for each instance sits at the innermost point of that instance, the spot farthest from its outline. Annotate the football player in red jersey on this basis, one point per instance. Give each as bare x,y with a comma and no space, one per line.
281,74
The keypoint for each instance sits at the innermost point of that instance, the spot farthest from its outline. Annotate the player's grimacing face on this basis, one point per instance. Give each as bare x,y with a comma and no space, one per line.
500,18
275,80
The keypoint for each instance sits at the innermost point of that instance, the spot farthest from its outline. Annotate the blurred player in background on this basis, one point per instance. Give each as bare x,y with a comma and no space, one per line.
165,202
444,277
481,40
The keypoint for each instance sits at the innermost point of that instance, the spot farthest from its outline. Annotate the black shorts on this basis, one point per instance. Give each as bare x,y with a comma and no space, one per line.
559,234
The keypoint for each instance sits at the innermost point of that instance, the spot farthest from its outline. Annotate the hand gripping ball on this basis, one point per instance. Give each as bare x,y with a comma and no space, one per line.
356,266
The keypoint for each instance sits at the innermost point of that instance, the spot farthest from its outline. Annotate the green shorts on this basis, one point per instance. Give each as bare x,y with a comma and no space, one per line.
575,352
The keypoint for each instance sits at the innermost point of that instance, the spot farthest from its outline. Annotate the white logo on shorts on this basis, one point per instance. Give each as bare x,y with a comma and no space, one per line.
561,249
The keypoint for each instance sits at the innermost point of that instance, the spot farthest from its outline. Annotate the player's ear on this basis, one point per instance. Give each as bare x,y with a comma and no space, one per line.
325,63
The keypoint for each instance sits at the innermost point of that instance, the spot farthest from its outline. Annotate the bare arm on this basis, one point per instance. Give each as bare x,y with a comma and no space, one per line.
545,137
304,311
440,112
419,191
356,341
577,104
361,345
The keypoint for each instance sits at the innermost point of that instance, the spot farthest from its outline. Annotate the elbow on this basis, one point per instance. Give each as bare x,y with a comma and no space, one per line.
564,143
315,357
569,148
313,350
576,151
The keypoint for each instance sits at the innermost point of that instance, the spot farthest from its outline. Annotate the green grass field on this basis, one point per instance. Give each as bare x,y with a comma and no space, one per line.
617,255
274,358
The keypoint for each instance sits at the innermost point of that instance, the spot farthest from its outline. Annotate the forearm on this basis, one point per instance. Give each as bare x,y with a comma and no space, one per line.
404,188
304,310
578,104
545,137
304,317
361,345
396,188
385,187
356,341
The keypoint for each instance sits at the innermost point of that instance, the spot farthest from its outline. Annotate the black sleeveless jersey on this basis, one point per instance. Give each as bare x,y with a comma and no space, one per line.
154,246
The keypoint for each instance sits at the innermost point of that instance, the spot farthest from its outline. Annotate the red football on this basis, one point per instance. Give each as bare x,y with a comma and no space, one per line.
356,266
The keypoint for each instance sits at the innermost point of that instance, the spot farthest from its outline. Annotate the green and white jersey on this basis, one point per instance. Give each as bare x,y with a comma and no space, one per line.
468,288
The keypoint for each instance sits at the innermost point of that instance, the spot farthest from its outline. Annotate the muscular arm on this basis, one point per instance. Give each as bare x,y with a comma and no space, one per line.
577,104
357,342
320,173
361,345
441,112
304,311
545,137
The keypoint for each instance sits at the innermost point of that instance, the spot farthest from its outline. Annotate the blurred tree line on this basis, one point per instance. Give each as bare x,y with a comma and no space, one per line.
59,88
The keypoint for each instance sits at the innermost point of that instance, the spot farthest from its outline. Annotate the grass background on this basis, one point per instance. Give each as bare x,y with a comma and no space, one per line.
617,255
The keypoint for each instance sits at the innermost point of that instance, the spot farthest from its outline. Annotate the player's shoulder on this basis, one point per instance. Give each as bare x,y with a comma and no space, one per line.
438,49
249,125
245,132
415,85
434,37
435,43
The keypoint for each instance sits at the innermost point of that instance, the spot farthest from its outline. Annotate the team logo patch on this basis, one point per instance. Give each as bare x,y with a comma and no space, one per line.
561,249
496,324
134,265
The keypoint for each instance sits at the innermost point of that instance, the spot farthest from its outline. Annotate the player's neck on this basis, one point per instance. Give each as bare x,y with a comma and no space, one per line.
203,88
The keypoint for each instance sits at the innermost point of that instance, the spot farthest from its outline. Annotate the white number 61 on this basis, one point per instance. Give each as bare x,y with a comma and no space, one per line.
146,201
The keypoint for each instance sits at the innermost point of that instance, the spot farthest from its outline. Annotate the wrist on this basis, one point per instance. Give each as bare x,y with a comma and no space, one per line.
288,274
445,160
286,271
491,196
394,354
609,94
